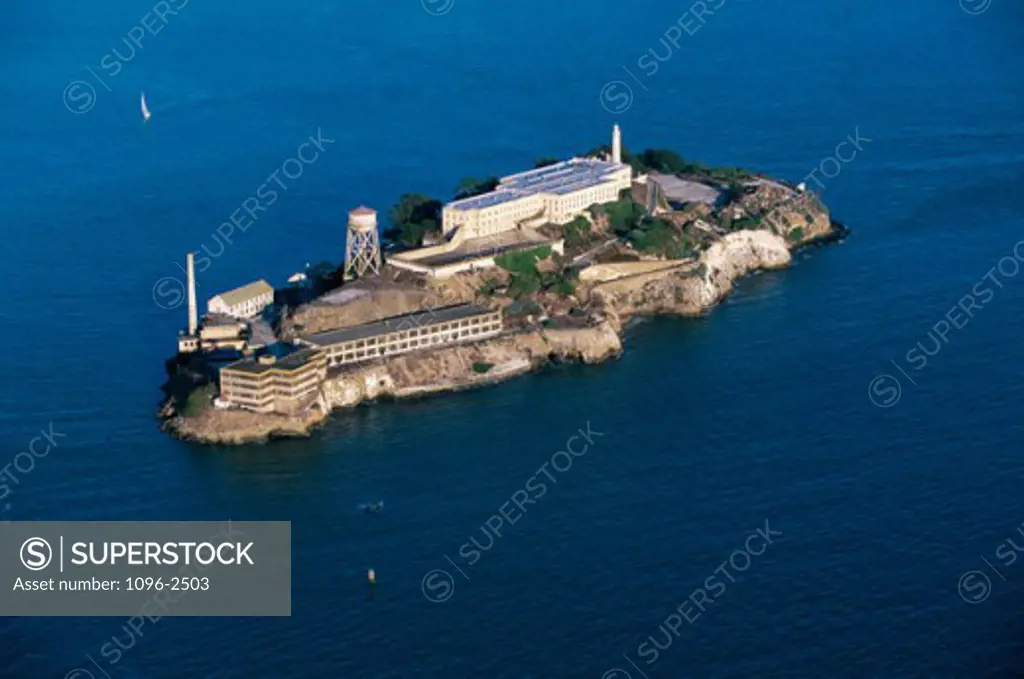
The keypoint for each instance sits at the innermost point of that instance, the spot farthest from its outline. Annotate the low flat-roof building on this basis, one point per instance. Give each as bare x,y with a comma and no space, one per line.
472,254
267,384
244,302
218,331
431,328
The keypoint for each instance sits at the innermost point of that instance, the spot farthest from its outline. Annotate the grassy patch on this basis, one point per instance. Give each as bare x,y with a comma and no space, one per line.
524,261
660,237
525,278
199,401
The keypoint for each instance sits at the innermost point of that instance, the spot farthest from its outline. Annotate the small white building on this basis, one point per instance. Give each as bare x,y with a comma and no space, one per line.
244,302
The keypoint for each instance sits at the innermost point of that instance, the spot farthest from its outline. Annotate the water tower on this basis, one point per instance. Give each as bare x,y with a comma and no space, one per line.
362,246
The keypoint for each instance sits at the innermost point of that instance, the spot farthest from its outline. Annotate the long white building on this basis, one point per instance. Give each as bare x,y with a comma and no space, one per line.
244,302
555,194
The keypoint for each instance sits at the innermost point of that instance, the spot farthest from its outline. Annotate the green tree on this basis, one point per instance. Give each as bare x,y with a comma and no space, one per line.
415,208
470,186
414,216
664,161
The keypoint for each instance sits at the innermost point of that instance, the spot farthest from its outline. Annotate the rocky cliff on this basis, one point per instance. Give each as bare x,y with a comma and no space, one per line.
693,288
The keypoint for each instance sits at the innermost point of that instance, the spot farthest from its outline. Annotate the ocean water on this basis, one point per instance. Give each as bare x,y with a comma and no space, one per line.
706,429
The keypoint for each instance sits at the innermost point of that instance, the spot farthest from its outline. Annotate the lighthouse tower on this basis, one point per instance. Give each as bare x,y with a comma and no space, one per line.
616,145
362,248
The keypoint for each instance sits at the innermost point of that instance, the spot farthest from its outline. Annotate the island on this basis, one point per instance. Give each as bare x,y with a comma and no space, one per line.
513,274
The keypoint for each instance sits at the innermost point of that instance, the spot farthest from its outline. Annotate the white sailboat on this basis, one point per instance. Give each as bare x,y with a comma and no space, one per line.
145,109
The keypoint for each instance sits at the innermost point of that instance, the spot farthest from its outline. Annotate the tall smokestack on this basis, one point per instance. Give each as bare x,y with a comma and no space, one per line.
193,315
616,145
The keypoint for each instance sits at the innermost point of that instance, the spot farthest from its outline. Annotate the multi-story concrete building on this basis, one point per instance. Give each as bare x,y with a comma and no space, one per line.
505,218
267,384
554,194
401,334
244,302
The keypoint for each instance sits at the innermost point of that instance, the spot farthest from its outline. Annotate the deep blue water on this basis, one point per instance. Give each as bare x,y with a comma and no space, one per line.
758,412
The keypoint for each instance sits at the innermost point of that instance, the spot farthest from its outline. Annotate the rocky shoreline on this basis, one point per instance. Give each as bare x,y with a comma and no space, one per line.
591,334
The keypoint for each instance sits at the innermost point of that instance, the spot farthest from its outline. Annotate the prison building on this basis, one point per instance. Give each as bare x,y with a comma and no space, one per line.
476,229
244,302
556,194
431,328
268,384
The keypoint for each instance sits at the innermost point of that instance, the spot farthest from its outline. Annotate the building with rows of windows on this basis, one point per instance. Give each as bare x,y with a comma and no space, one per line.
267,384
478,228
401,334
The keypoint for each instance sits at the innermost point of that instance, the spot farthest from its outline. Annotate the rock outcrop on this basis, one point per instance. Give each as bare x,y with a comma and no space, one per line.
235,427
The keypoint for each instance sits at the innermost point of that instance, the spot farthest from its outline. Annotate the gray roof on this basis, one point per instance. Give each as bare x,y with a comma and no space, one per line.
292,361
460,255
244,293
217,319
561,178
418,319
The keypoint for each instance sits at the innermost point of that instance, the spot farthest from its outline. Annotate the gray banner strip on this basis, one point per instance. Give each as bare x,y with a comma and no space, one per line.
145,569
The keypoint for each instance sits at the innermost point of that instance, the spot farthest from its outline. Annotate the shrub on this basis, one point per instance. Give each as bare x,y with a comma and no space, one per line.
489,287
522,265
796,235
523,307
745,223
523,284
481,367
577,233
564,287
664,161
657,236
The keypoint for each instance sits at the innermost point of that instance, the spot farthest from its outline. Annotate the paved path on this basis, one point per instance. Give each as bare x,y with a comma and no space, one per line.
262,333
587,257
